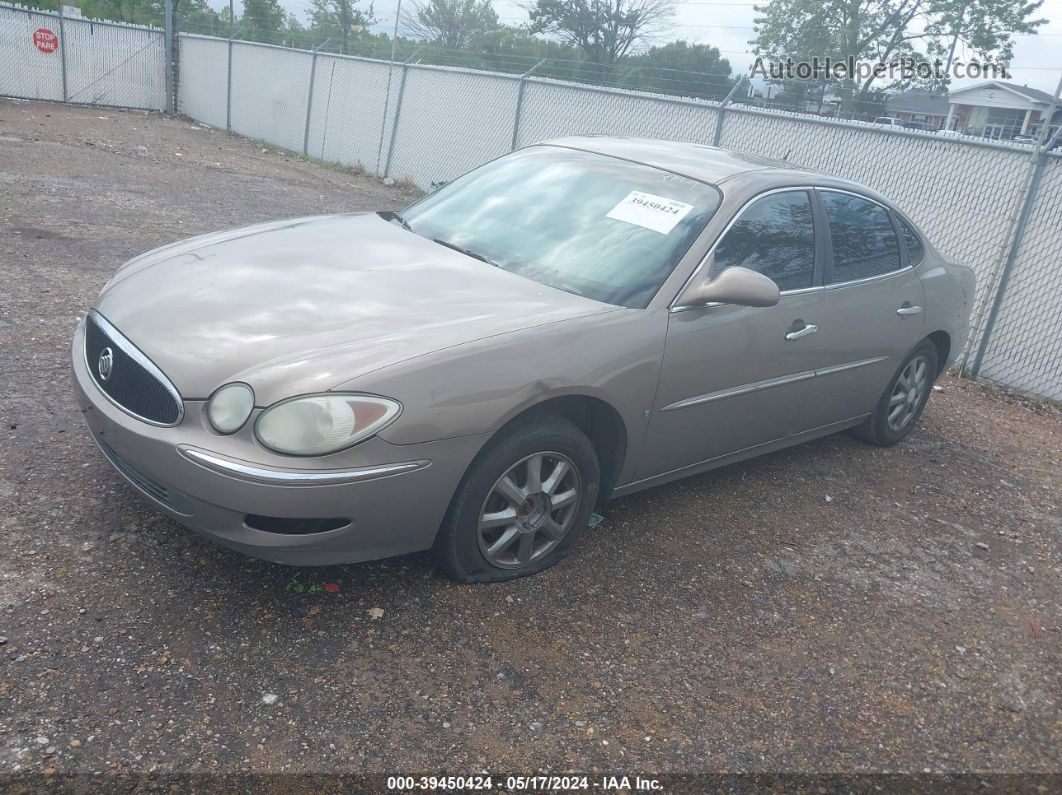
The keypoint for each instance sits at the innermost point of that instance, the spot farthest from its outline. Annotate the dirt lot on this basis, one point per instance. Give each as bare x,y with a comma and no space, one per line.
830,607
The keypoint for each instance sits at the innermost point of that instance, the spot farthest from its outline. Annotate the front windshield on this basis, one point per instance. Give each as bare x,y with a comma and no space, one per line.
592,225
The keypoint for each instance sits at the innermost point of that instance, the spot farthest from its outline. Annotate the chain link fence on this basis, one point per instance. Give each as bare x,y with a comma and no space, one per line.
44,55
994,206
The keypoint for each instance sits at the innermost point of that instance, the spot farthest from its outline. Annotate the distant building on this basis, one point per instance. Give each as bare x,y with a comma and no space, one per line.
815,98
997,109
918,107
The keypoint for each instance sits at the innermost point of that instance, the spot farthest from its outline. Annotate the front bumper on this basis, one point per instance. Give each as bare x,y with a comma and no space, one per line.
395,495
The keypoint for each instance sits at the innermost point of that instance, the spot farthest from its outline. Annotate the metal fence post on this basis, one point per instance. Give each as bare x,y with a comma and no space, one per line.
62,51
718,135
721,112
228,77
520,102
309,104
398,111
1008,265
387,96
169,41
1039,161
309,99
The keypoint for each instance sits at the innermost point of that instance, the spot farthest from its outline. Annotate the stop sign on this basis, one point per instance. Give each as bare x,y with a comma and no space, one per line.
46,40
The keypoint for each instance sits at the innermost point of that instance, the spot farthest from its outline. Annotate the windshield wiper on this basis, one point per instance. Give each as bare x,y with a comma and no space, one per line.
391,215
465,251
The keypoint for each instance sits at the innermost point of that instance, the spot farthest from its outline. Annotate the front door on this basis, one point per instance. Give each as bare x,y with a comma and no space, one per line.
735,377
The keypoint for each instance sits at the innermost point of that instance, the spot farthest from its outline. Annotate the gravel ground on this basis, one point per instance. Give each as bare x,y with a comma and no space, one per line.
830,607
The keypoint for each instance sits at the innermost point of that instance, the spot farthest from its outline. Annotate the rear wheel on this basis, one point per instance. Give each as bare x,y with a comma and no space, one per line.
522,504
904,398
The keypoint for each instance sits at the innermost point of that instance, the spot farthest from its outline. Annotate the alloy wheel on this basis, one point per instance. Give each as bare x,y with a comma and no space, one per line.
529,510
908,393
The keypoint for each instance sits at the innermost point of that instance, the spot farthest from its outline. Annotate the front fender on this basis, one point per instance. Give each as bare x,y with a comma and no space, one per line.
478,387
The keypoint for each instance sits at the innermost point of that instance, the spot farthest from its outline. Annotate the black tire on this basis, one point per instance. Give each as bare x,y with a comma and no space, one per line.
877,428
461,548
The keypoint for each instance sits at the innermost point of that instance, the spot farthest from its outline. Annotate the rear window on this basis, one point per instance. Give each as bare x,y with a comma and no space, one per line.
863,237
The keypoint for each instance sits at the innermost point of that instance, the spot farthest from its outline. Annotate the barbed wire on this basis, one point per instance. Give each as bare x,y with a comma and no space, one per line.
637,73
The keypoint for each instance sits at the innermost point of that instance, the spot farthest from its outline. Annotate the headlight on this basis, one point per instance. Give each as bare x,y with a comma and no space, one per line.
321,424
229,407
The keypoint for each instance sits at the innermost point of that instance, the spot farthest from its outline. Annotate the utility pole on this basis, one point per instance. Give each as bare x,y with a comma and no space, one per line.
951,59
955,38
394,39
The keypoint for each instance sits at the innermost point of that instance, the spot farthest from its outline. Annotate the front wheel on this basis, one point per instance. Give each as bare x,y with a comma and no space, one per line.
522,504
904,398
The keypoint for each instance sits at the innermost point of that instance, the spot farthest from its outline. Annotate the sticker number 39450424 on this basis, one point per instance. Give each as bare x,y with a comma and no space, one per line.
650,212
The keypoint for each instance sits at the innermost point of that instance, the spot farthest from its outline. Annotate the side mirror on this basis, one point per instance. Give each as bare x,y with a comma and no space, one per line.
735,285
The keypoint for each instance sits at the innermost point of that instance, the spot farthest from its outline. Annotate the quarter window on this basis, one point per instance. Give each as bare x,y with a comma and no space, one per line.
864,240
775,236
911,241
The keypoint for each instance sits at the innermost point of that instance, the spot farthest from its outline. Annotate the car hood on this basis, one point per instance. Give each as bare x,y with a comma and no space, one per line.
305,305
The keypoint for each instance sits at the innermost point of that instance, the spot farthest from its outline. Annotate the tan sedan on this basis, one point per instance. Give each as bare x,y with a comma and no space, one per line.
574,321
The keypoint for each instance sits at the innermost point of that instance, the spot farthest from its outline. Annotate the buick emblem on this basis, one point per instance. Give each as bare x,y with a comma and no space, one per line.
105,364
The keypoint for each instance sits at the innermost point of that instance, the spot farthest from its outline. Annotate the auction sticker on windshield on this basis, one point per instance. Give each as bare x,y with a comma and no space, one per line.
650,212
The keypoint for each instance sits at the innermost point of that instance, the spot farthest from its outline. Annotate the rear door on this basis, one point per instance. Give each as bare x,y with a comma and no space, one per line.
873,313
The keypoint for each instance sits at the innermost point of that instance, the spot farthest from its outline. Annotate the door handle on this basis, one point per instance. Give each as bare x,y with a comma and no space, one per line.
810,328
907,309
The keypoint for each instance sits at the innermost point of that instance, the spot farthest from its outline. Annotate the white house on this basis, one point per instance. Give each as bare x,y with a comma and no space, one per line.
997,109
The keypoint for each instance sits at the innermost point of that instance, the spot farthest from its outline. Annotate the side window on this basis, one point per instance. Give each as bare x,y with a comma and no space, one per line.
775,236
864,240
911,241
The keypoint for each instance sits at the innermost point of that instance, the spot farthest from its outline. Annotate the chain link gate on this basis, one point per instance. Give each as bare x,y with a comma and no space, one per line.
46,55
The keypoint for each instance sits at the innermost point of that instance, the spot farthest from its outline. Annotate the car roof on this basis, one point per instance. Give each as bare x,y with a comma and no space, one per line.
704,163
708,164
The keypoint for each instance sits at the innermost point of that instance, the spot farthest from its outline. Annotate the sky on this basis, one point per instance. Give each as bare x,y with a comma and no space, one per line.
728,25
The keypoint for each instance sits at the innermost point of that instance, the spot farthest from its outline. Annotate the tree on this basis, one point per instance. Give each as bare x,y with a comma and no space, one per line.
139,12
196,16
883,31
42,5
262,20
518,43
335,19
451,23
683,69
603,30
294,26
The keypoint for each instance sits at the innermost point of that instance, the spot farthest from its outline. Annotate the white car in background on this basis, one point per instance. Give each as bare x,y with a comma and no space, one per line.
891,121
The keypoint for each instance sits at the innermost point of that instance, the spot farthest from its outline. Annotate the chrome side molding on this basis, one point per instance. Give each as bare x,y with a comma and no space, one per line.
770,383
294,477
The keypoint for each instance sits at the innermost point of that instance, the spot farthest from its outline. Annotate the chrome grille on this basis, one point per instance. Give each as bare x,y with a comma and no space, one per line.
134,384
152,488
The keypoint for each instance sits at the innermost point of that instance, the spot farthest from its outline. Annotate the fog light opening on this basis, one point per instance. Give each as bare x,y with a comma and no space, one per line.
279,524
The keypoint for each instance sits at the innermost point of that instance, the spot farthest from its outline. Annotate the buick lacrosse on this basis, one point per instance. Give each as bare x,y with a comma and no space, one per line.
574,321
